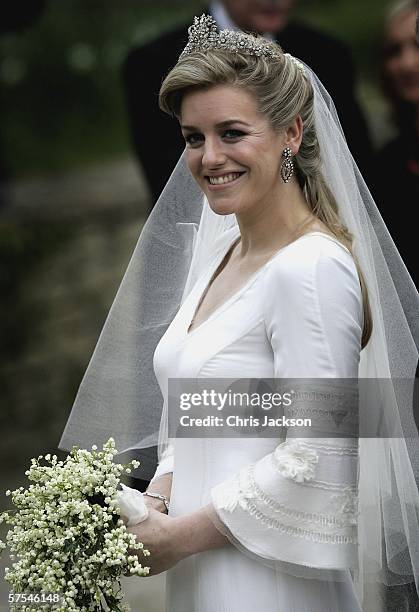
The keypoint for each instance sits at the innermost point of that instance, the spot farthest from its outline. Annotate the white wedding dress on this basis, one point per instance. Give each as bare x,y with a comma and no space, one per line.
300,315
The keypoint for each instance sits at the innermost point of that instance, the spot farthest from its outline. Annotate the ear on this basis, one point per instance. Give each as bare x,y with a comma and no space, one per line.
294,135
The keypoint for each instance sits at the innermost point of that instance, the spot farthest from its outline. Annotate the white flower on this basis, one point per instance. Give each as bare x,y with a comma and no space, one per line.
295,460
63,529
132,505
236,491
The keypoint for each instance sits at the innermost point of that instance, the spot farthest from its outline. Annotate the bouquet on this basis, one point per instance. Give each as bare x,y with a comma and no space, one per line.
68,542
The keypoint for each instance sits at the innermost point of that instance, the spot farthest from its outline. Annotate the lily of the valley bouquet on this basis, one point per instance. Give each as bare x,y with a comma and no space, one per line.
68,542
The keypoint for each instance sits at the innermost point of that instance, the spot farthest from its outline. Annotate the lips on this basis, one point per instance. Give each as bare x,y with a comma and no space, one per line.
224,179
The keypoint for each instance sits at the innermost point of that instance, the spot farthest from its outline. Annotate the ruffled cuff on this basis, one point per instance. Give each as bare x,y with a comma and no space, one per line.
284,508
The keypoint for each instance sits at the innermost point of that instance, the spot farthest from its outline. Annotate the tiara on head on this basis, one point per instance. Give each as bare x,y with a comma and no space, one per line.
204,35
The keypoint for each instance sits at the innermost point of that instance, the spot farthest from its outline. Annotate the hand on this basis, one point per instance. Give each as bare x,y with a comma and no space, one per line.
157,535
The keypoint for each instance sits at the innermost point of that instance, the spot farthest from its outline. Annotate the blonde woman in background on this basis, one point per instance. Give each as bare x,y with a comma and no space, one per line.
397,163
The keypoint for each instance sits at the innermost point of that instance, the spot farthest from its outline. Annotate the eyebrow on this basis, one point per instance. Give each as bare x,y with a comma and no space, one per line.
218,125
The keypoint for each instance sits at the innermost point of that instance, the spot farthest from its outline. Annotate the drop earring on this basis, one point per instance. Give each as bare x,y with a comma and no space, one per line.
287,166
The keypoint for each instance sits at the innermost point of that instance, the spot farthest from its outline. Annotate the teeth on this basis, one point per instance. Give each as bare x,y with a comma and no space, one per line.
221,180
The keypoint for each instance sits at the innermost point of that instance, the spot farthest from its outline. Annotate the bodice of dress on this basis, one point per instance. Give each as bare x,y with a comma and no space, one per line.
299,316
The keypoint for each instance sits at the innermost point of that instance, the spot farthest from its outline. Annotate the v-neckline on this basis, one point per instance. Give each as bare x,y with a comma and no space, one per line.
241,289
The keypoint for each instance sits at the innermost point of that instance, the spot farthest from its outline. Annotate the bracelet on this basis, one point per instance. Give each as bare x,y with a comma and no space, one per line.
163,498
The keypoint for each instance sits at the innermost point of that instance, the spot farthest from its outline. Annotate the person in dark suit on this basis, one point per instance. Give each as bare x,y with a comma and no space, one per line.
156,138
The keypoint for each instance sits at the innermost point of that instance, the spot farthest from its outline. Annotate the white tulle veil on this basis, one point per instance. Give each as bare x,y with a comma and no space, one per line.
119,395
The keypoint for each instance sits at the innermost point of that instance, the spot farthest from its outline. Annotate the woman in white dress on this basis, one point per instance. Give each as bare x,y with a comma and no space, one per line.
276,293
282,299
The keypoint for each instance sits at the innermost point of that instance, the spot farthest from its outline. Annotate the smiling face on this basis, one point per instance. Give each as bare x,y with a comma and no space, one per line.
232,150
401,63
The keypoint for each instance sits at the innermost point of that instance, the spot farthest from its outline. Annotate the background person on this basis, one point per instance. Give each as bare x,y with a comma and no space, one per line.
396,169
396,181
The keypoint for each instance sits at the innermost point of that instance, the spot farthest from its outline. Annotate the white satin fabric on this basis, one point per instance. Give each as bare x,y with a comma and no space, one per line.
300,315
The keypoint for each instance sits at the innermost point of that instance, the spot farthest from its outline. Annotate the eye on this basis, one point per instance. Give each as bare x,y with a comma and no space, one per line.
233,134
194,139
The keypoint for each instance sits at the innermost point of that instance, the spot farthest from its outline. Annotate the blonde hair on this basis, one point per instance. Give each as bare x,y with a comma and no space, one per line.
269,80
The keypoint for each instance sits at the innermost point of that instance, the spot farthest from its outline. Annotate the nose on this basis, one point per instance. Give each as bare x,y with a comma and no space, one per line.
213,155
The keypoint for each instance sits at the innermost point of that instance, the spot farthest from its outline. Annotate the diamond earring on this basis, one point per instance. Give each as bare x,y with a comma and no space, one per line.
287,166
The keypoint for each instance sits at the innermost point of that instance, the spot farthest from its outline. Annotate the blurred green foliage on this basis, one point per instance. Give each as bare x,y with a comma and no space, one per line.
62,99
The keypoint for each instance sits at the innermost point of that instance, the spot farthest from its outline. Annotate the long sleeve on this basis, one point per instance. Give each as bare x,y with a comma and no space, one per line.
298,503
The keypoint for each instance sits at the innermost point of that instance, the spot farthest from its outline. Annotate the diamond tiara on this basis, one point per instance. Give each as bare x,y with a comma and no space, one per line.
204,35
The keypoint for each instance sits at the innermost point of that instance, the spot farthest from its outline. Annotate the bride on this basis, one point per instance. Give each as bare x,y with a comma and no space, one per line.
290,275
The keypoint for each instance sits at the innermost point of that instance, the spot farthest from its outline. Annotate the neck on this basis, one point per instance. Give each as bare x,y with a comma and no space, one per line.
275,223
